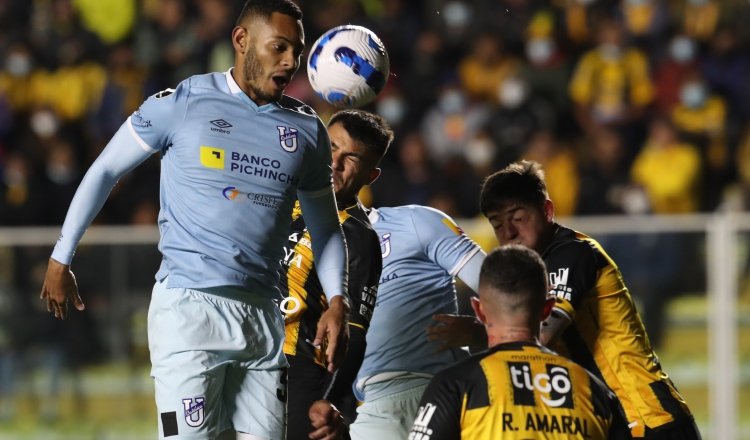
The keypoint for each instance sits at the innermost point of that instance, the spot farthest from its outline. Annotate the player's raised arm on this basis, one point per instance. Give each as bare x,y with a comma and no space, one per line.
120,156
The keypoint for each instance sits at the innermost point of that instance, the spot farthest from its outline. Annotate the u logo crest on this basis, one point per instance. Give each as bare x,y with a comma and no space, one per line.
194,411
385,245
287,138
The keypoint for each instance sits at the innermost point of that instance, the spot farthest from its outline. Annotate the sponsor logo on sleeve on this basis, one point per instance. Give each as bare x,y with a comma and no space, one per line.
385,244
421,430
559,284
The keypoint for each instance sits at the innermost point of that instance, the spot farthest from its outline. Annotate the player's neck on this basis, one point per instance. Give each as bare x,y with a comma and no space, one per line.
501,334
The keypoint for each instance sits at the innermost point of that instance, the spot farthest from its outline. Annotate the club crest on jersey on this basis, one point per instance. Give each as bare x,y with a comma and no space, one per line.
287,138
194,410
385,244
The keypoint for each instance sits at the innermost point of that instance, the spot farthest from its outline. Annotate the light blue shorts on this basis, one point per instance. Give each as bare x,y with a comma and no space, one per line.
388,416
218,363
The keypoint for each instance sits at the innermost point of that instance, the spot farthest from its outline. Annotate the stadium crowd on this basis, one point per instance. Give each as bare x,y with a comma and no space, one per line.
603,93
631,106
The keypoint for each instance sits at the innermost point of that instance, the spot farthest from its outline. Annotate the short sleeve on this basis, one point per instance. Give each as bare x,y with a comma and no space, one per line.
158,117
439,415
317,173
444,241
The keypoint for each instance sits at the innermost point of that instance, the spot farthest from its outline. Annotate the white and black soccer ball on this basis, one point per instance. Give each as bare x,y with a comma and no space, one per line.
348,66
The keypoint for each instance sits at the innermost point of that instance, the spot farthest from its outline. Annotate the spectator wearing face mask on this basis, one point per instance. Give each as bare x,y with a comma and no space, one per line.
701,118
487,65
547,66
516,118
611,86
681,61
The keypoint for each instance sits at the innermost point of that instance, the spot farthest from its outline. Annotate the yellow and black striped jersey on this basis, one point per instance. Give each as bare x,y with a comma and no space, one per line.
607,336
515,391
305,300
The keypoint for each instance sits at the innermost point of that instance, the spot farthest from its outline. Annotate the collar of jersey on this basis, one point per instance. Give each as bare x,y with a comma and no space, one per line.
235,90
373,215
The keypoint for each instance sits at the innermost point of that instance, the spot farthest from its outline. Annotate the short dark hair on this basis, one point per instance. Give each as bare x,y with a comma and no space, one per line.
521,181
264,8
372,130
516,272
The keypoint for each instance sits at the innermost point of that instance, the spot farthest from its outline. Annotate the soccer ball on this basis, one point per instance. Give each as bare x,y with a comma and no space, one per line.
348,66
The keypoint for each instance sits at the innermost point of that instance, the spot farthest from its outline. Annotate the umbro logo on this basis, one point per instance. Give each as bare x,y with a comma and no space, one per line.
220,125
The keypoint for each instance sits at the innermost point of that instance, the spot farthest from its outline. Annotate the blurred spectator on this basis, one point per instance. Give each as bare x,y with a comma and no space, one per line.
167,45
484,69
22,200
560,164
673,192
701,118
646,21
451,122
412,180
671,71
699,18
602,178
516,118
655,266
611,85
111,20
547,68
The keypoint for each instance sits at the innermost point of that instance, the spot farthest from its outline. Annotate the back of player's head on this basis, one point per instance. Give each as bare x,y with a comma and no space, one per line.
264,8
369,129
514,279
521,181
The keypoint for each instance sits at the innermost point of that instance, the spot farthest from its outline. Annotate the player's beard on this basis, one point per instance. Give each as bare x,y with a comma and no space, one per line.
255,75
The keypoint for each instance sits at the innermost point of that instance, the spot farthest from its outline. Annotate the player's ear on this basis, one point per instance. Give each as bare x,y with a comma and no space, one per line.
374,174
549,210
549,303
477,306
240,39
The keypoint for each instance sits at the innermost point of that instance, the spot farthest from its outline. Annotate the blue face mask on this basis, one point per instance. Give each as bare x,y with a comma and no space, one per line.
693,95
451,101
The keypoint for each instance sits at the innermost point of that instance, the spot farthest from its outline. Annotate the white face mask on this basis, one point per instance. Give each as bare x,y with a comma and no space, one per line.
682,49
456,14
480,152
60,174
693,95
44,123
392,108
636,2
512,93
18,64
539,50
697,2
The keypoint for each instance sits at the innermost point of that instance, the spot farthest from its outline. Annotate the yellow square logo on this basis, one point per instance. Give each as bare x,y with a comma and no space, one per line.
212,157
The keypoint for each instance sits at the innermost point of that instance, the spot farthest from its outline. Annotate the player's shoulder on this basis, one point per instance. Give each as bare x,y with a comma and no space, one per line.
296,106
570,244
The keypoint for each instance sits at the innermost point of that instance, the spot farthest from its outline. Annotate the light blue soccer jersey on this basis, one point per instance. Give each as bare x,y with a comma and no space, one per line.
423,249
230,170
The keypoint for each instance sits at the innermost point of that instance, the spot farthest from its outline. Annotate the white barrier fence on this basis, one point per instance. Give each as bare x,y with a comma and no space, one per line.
722,268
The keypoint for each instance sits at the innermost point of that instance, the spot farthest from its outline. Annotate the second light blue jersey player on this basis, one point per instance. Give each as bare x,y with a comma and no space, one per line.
423,250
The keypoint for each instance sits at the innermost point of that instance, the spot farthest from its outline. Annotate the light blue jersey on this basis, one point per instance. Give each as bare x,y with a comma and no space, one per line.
423,249
230,172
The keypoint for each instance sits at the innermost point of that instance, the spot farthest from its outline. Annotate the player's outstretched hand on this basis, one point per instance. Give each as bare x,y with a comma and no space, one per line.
327,422
455,331
334,331
59,287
